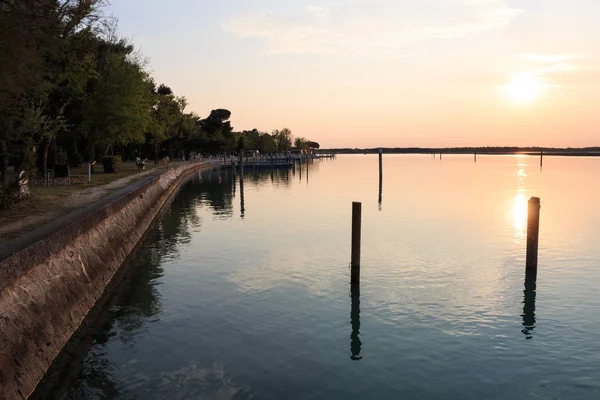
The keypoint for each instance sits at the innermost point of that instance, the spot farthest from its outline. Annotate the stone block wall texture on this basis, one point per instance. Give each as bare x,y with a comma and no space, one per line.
51,278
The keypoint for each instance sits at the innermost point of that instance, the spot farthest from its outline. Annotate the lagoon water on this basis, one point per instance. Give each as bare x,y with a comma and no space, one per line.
240,294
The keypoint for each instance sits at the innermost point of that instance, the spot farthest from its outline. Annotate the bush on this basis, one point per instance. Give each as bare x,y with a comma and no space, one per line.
112,164
75,160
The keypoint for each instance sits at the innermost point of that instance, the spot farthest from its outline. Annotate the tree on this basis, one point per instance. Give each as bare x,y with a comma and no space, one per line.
283,139
33,32
118,108
219,133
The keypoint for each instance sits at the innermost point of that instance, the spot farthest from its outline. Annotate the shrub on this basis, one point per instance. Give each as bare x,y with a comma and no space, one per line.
75,160
112,164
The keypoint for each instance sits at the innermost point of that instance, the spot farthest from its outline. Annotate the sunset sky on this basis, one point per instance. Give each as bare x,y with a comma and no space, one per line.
369,73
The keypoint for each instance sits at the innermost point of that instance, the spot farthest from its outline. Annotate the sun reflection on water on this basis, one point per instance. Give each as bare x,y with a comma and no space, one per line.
519,212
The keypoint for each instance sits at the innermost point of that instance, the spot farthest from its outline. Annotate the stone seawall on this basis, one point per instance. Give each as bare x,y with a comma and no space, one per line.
50,279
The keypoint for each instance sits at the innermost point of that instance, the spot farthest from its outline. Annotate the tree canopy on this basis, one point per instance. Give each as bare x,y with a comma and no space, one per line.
72,89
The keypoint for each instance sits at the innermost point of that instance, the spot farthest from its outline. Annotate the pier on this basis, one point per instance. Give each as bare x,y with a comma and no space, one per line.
265,161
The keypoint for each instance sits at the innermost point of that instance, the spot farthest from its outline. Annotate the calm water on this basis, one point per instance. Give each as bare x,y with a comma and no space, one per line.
239,294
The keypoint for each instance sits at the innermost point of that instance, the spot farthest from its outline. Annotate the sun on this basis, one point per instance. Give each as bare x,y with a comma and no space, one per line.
523,88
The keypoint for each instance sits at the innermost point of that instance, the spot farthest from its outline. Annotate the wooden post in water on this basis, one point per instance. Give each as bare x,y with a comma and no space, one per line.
541,158
380,164
380,176
533,230
475,157
356,228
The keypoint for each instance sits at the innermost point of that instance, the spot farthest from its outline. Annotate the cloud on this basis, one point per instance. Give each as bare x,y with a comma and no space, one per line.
556,63
550,58
365,27
555,70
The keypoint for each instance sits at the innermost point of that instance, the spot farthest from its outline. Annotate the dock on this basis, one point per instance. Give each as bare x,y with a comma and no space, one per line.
265,161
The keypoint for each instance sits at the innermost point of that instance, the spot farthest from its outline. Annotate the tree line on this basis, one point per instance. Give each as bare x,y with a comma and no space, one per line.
72,90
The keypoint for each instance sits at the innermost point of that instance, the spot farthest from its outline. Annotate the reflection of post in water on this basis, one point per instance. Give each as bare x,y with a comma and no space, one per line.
233,181
355,344
529,303
242,209
307,171
379,199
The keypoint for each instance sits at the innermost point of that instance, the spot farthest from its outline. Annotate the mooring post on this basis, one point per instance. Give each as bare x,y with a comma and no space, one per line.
356,222
475,157
533,229
380,164
541,158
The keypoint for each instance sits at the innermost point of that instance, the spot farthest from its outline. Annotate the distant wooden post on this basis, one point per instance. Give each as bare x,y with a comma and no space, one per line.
440,155
356,228
380,164
541,158
475,157
380,175
533,229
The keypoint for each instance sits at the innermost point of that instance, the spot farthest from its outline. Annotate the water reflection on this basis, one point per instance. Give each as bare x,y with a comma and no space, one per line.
379,199
242,209
355,343
214,189
307,161
130,303
217,189
529,303
519,212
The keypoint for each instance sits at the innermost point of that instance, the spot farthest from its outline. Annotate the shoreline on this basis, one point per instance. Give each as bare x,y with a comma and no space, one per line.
51,277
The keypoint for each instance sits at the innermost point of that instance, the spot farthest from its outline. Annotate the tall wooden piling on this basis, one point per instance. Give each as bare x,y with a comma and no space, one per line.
380,164
475,157
541,158
380,175
355,252
533,229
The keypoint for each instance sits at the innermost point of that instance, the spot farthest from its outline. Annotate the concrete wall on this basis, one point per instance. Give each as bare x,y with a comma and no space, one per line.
49,279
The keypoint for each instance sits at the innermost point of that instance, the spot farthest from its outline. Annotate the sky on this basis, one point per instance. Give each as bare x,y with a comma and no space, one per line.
390,73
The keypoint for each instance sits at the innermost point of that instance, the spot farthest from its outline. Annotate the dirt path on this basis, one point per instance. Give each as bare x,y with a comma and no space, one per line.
86,196
30,218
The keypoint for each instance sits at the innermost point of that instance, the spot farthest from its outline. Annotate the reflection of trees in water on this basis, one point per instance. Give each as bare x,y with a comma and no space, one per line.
215,189
83,369
131,300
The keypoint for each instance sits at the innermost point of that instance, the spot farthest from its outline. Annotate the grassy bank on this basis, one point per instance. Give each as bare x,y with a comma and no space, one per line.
50,202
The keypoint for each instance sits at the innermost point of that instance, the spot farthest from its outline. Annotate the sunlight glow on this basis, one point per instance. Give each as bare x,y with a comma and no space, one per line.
523,88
